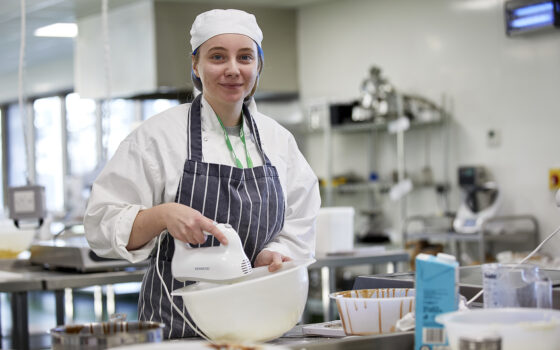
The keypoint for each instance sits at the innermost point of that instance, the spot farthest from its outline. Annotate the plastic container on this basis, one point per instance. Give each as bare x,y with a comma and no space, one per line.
518,328
373,311
335,230
509,285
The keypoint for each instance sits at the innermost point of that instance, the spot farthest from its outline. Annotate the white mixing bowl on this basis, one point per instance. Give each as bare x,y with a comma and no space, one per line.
259,307
519,328
14,241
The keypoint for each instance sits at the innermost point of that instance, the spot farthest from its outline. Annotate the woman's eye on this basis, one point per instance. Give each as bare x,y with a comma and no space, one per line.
246,57
216,57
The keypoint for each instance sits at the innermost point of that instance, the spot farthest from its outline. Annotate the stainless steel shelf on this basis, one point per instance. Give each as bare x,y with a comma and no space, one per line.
371,126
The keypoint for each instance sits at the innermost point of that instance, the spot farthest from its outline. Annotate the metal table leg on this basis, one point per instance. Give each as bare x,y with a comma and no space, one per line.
325,292
59,300
0,321
328,279
20,328
332,288
98,303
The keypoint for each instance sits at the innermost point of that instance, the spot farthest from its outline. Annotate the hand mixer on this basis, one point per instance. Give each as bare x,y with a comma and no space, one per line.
222,263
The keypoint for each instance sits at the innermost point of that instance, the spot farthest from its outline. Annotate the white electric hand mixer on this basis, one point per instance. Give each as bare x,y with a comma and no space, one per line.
222,263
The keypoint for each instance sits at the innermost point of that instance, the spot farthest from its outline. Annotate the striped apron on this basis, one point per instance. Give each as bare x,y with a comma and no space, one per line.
250,200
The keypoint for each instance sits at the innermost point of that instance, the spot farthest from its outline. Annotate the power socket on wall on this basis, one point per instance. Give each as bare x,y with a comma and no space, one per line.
493,138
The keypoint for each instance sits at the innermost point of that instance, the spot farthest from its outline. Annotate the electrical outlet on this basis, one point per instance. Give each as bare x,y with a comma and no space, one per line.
493,138
554,178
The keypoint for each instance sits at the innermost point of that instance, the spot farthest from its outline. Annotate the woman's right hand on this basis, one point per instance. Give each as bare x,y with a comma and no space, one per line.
187,224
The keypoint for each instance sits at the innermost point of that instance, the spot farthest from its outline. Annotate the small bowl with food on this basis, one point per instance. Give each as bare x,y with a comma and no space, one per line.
373,311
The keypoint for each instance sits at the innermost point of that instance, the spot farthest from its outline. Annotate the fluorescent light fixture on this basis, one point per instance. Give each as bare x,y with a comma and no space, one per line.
530,15
534,9
58,30
531,21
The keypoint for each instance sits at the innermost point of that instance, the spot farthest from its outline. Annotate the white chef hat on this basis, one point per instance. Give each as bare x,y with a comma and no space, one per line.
215,22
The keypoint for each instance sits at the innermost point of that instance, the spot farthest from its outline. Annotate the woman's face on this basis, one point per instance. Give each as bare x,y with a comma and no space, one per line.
227,65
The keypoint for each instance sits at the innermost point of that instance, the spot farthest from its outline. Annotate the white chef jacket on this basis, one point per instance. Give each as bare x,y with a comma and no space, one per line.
146,169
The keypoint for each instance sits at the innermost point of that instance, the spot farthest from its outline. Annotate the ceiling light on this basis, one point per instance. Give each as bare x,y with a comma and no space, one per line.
530,15
58,30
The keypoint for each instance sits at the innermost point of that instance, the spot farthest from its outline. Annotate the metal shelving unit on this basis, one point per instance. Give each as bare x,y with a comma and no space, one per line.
374,188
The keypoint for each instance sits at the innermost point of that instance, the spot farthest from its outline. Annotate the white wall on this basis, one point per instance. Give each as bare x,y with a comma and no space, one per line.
46,78
132,52
452,47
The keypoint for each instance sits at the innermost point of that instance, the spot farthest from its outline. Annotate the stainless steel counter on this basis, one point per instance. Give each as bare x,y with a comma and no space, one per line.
294,339
400,341
19,277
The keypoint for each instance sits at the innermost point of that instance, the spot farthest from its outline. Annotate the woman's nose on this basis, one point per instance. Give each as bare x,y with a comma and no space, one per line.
232,69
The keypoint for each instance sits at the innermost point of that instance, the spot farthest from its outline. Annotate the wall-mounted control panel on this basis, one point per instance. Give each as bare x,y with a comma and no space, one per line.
27,203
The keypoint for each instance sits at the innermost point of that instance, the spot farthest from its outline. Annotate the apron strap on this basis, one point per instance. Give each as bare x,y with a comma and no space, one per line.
194,151
194,147
255,131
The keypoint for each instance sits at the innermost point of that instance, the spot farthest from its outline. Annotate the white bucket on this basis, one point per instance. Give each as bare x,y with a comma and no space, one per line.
335,230
518,328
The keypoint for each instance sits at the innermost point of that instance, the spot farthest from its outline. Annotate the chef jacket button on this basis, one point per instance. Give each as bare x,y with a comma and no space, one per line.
205,138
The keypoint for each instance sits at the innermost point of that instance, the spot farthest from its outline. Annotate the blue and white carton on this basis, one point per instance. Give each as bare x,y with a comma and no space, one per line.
437,292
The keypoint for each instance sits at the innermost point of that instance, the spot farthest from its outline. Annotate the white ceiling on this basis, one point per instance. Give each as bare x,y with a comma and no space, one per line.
43,12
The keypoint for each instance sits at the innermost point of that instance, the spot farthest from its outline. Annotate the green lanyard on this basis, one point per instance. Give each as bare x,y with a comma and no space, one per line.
230,147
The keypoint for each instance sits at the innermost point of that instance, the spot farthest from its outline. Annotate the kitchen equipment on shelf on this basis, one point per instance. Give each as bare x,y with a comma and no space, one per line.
104,335
518,328
482,200
373,311
258,307
218,263
335,230
509,285
377,95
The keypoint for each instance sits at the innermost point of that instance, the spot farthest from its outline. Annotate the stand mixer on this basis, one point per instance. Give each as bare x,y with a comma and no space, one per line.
482,200
219,264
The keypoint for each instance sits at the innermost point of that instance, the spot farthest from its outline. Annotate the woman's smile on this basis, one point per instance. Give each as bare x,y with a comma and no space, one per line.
228,68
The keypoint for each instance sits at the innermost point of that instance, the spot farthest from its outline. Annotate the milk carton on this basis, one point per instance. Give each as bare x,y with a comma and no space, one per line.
436,292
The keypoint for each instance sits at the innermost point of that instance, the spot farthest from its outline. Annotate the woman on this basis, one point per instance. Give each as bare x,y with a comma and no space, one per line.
193,165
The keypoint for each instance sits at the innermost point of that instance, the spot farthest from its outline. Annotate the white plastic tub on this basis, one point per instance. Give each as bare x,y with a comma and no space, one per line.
335,230
519,328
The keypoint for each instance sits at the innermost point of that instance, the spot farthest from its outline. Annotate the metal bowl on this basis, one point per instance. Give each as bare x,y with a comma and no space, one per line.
104,335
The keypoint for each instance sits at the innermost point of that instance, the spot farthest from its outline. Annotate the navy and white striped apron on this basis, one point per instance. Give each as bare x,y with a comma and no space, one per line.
250,200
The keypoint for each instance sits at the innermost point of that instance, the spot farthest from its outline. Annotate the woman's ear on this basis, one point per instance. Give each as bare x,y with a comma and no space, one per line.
195,66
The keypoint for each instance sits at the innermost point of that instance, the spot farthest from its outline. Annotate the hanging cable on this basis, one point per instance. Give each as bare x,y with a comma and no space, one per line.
106,104
21,94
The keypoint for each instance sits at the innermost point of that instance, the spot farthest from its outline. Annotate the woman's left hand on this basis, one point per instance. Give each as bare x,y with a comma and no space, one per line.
271,259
